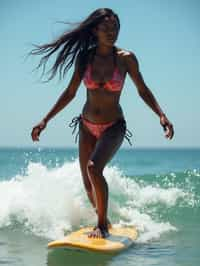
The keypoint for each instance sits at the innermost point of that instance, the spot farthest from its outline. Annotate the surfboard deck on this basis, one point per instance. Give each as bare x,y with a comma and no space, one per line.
119,239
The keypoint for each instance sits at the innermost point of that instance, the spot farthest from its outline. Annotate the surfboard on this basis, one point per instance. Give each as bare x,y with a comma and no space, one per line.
119,238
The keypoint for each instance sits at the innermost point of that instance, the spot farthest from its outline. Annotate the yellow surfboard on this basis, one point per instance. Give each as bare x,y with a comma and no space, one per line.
119,239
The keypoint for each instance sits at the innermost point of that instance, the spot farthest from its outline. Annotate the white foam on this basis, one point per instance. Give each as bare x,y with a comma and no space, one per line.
48,202
137,197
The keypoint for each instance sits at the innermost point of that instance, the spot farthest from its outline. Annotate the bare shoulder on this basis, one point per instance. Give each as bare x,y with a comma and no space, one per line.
129,58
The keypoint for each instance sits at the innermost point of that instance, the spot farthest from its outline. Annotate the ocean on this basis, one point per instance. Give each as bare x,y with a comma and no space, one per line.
42,198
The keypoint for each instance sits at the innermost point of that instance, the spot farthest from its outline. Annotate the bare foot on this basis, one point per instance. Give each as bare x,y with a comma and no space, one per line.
99,232
109,225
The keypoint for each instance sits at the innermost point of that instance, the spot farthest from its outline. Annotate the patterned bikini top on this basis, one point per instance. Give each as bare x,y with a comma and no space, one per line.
115,84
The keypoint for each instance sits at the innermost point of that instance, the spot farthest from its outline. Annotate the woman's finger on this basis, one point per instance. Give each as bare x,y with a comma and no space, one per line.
170,132
35,134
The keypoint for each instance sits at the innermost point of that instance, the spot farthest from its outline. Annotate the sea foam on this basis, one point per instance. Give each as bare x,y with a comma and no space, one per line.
49,202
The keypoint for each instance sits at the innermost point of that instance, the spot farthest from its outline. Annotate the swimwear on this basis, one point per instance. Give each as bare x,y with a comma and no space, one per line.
96,129
115,84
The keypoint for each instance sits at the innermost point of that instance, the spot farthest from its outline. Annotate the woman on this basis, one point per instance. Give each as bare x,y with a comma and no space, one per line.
102,127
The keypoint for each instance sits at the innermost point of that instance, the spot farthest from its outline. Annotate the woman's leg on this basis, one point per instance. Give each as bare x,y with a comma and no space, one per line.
86,146
102,153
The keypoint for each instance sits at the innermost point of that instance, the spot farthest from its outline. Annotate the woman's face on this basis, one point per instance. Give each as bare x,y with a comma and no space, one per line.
107,31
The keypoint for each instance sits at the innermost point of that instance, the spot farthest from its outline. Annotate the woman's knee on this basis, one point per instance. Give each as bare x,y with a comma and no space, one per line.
93,170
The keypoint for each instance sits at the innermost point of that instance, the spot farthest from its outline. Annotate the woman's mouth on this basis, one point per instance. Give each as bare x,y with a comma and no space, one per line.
111,39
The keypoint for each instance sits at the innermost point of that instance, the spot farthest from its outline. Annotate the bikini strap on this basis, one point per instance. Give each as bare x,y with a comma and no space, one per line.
73,124
91,59
128,135
115,56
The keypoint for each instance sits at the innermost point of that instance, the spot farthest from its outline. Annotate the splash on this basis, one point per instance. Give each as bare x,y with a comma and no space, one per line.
49,202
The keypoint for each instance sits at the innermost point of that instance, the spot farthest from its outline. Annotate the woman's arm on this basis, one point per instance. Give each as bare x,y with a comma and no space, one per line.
65,98
146,94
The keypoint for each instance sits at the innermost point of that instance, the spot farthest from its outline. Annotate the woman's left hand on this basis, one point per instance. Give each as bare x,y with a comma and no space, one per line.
167,126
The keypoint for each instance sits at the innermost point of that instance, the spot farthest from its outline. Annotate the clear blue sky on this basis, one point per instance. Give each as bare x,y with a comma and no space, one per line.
164,35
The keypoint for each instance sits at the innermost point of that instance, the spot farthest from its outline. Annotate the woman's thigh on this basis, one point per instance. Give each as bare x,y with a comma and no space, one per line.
87,144
108,144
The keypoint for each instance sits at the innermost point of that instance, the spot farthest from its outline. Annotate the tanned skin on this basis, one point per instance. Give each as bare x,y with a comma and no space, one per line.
103,106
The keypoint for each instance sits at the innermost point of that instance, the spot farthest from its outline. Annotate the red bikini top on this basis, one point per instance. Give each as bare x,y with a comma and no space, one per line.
115,84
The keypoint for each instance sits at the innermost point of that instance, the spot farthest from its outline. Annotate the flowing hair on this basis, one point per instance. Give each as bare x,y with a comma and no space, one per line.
72,44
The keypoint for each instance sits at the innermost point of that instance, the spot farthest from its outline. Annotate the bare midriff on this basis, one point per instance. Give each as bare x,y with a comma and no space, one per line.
102,106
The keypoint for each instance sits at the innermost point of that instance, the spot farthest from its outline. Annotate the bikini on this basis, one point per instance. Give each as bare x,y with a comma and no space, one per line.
113,85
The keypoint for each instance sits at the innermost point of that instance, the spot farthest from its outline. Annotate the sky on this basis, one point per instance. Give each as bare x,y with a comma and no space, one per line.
163,34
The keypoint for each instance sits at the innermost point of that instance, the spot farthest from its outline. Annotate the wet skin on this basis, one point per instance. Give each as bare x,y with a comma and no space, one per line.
102,106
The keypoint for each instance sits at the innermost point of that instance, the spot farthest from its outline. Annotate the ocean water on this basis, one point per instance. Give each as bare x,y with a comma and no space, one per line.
42,198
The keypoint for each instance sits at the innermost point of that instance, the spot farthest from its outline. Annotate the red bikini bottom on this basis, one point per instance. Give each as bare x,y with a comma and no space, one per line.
96,129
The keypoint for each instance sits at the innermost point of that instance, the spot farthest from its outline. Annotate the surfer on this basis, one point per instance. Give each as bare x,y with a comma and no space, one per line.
103,67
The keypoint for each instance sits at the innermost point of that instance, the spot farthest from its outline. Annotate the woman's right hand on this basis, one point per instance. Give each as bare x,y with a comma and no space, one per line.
37,130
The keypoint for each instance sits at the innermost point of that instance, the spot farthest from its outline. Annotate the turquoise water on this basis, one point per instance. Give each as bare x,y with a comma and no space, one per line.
42,198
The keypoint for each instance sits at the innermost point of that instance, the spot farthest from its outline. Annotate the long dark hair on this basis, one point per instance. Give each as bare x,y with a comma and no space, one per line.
72,43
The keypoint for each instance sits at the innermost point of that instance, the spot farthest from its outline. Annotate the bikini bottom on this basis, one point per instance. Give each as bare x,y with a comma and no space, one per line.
96,129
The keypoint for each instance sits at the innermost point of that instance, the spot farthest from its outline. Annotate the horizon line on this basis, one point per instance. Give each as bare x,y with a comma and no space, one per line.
75,147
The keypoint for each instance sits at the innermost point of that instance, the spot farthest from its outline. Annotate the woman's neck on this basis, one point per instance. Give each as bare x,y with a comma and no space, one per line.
104,51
